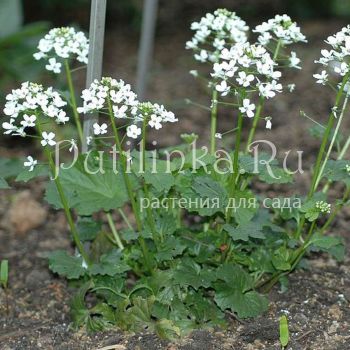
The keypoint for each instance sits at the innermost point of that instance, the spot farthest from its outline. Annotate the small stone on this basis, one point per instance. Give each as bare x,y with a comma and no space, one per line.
25,213
335,313
36,278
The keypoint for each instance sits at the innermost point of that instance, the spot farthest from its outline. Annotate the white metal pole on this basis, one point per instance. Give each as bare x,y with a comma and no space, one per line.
94,69
150,9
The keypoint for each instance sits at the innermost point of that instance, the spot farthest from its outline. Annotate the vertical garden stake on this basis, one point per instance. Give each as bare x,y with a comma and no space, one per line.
94,69
149,20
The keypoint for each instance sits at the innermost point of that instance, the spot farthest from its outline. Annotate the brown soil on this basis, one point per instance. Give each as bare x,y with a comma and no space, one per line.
317,301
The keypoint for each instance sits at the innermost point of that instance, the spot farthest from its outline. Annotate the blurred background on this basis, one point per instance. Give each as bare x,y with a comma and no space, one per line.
24,22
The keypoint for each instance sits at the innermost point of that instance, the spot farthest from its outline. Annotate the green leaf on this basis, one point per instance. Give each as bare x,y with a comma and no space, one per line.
281,258
162,182
284,332
335,170
140,314
234,292
325,242
267,171
111,290
203,309
245,231
110,264
4,273
169,249
246,305
188,273
329,244
167,329
244,213
78,309
88,228
3,184
88,193
65,265
10,167
309,207
38,171
235,275
208,189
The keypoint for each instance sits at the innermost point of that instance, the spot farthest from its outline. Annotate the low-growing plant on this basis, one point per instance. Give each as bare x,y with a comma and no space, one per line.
195,242
4,278
284,331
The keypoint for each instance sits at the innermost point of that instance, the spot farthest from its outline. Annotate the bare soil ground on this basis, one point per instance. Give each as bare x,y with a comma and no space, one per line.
317,301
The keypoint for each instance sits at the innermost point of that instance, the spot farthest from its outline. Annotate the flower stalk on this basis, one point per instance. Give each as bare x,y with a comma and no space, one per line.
64,202
73,101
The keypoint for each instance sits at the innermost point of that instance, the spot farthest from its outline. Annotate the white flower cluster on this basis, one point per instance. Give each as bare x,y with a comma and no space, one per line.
281,28
124,105
337,57
250,67
64,43
95,98
215,31
155,115
26,103
323,207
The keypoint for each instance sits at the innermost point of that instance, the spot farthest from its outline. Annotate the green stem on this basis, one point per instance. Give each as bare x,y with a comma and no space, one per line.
129,187
344,149
236,153
213,126
121,212
114,231
150,216
336,211
255,122
235,174
64,202
73,101
326,138
340,119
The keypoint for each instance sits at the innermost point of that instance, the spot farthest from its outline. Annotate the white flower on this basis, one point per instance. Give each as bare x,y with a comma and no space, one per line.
48,139
268,123
291,87
28,121
264,38
269,90
133,131
9,127
247,108
244,79
29,100
30,163
281,28
95,97
100,129
342,69
54,66
218,136
294,61
62,42
155,122
213,32
39,55
88,140
321,78
223,88
120,112
202,56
